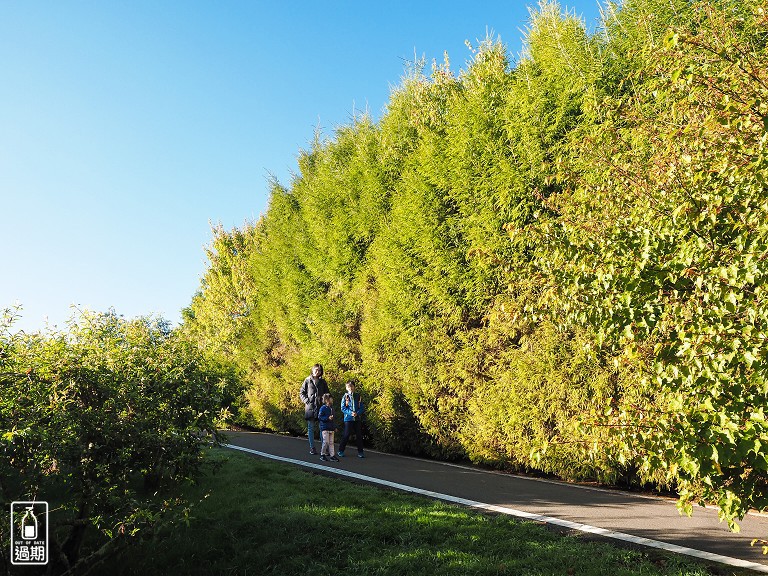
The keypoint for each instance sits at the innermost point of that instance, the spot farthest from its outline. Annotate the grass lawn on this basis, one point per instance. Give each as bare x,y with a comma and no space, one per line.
262,517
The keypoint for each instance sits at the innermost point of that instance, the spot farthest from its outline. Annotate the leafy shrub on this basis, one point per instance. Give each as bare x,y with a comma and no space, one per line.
98,418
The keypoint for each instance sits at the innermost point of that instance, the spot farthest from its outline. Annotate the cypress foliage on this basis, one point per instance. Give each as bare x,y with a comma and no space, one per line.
513,260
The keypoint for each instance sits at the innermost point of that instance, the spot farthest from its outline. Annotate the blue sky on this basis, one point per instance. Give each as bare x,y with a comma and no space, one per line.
126,127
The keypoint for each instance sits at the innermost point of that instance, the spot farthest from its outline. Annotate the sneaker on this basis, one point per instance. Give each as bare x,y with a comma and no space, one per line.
334,459
312,451
360,455
324,458
340,454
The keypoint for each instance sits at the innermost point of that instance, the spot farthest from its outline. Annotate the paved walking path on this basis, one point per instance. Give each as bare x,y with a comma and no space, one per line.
640,519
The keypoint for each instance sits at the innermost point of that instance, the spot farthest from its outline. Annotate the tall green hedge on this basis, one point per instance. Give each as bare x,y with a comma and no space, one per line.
554,263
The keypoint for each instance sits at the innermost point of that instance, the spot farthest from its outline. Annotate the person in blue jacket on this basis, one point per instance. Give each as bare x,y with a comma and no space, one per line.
353,409
327,428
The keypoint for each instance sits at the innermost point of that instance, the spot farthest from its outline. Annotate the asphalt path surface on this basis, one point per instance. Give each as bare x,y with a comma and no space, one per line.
635,518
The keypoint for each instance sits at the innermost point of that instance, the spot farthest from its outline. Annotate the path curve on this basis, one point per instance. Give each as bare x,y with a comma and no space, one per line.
639,519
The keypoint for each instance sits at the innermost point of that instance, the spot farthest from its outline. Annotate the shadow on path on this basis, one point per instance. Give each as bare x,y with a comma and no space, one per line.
567,505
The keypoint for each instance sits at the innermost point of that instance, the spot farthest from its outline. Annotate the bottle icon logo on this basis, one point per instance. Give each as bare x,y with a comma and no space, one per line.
29,524
29,533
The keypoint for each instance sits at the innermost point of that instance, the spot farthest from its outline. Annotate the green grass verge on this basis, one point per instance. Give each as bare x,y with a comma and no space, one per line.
262,517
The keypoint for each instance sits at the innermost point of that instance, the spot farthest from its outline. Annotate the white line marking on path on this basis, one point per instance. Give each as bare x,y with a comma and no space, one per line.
736,562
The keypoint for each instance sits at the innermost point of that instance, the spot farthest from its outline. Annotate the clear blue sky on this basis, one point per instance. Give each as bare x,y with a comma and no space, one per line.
127,126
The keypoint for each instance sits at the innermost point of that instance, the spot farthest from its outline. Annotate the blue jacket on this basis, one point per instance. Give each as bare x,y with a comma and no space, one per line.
325,422
352,403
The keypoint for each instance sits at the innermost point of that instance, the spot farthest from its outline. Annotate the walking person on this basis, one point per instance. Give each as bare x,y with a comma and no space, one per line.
311,393
327,428
353,409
